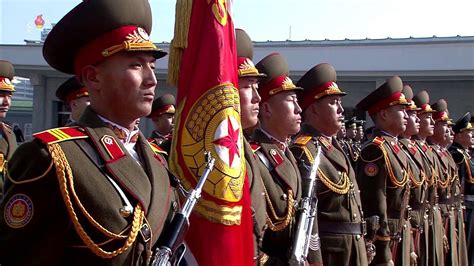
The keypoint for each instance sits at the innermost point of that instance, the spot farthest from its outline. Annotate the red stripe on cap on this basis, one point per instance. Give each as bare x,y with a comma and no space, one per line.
437,116
91,54
265,89
384,103
313,92
77,94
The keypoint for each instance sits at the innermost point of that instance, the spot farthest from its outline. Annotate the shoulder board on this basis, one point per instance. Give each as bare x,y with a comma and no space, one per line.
303,140
255,147
157,149
378,140
60,134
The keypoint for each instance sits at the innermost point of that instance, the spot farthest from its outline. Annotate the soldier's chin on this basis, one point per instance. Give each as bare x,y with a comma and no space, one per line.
3,114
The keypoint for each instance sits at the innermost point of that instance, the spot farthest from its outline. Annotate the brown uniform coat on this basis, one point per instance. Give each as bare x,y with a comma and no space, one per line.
277,242
336,208
48,236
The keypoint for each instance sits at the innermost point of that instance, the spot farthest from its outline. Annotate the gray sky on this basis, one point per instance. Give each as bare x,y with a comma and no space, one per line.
275,19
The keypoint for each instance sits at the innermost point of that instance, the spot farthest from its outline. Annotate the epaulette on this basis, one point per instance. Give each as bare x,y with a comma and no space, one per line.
378,140
157,149
371,152
255,147
303,140
60,134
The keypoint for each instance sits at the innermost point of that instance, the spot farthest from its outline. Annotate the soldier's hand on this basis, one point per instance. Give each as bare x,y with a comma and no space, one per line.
413,258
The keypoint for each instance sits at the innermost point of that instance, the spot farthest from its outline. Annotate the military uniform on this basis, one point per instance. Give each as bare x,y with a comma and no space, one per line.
278,170
246,68
8,142
436,234
163,105
340,219
464,165
282,188
383,178
418,190
86,197
76,219
351,146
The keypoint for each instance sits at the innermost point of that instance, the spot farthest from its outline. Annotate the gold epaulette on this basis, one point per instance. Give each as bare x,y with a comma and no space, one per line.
60,134
157,149
378,140
302,140
255,147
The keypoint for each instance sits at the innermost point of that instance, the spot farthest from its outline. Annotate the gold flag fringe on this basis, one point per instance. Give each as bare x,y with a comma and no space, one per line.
180,40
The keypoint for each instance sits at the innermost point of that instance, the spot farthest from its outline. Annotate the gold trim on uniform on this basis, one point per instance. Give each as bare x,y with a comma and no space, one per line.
66,184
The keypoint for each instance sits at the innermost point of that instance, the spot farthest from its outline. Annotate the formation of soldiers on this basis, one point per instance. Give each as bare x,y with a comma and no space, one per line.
98,192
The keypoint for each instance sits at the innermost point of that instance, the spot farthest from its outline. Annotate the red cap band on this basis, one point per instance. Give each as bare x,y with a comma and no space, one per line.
123,38
77,94
274,86
395,98
317,92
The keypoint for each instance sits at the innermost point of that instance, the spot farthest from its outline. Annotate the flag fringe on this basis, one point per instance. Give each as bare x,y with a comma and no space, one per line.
180,40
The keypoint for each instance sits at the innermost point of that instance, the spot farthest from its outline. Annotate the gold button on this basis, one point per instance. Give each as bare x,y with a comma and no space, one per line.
284,197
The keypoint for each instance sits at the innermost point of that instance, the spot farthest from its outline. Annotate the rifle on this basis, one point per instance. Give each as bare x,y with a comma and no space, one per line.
172,248
309,208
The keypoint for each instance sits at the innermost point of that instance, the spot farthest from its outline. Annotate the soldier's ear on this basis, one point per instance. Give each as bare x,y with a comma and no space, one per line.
89,77
265,110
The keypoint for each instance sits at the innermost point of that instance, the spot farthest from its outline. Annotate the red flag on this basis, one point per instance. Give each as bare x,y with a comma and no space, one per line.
208,119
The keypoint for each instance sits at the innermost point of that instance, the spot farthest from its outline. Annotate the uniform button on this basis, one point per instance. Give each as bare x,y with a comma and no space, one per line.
284,197
354,215
175,206
357,237
125,211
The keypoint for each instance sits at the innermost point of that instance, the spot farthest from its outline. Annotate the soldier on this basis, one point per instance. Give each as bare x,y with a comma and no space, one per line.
462,141
449,186
280,118
360,132
418,189
88,196
382,173
76,96
162,115
431,170
249,108
8,142
339,214
349,146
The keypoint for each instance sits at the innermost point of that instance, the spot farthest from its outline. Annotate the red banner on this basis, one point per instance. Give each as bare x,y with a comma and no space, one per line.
208,119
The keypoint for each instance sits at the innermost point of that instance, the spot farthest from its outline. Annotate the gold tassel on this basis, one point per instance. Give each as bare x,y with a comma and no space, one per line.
180,40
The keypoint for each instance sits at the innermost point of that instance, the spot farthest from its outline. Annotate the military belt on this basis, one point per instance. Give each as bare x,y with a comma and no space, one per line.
395,214
418,206
446,201
341,228
469,197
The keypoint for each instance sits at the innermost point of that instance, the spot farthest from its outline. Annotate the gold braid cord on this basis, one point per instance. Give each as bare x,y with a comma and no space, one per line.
64,174
414,182
391,175
281,222
337,188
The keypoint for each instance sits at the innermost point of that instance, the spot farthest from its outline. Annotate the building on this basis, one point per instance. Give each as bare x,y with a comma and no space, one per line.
443,65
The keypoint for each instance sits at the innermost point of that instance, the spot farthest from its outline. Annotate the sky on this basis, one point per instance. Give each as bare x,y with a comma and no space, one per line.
278,20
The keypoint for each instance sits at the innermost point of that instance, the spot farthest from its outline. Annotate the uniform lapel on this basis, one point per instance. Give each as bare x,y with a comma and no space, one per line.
10,139
160,198
284,169
123,169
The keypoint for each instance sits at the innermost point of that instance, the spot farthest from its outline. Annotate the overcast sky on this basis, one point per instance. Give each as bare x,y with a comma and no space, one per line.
279,19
